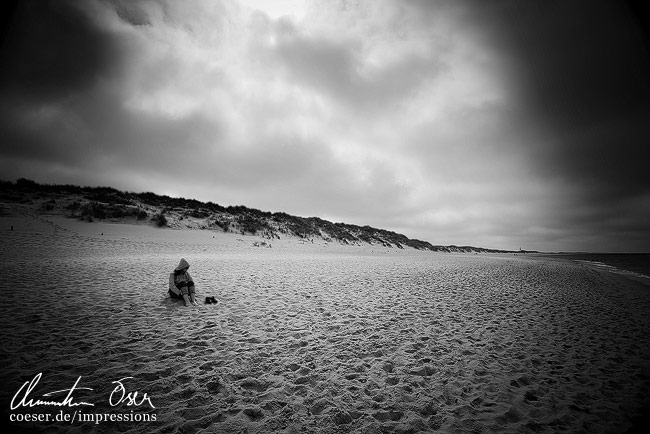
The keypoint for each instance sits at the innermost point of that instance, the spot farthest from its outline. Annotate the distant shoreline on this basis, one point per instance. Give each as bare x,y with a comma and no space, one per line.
632,265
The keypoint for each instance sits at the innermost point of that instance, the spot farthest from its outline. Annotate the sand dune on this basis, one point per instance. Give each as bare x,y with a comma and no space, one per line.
319,338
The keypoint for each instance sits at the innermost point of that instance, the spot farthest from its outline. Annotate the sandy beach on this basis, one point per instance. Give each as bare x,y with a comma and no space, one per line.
313,337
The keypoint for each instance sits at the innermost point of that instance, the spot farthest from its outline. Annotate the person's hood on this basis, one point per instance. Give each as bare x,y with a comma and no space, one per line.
181,265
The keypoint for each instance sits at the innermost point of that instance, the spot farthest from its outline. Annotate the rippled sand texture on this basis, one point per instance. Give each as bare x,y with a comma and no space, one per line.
324,339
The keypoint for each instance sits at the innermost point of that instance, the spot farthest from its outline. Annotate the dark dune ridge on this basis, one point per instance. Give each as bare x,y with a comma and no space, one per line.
106,203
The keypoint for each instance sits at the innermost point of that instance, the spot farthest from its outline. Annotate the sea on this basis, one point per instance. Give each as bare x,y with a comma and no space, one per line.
636,263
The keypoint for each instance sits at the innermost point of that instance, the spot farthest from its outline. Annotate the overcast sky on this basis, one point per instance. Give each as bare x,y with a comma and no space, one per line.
501,124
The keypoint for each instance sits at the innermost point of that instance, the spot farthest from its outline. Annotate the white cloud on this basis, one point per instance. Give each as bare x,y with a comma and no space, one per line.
294,9
359,110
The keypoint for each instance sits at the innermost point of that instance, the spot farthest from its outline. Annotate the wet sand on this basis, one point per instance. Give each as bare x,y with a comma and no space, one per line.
317,338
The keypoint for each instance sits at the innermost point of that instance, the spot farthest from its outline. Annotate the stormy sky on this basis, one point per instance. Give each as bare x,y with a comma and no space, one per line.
501,124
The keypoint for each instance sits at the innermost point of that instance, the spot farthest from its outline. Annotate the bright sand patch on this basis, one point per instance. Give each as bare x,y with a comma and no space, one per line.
316,338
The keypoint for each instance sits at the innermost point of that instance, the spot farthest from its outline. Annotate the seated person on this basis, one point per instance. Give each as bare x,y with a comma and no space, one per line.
184,283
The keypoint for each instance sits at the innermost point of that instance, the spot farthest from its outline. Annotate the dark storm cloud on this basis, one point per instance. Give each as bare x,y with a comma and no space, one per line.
582,77
52,49
53,55
62,96
580,73
589,80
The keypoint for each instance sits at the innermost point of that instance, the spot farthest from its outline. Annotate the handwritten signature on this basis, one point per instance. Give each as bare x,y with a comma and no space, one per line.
128,398
119,395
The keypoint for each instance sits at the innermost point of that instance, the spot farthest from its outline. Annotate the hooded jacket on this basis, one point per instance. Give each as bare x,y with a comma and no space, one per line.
182,264
181,276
